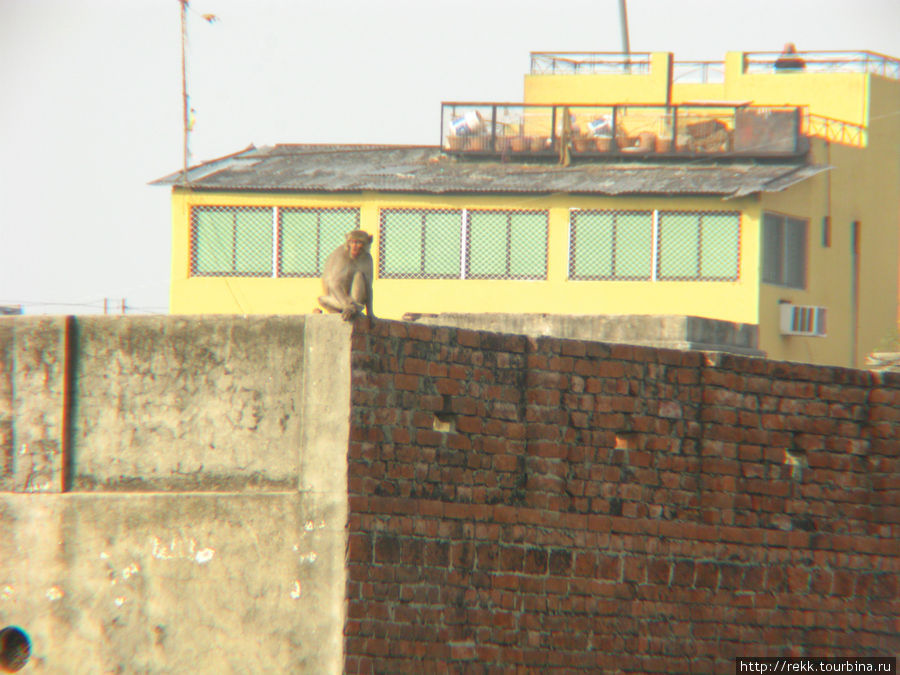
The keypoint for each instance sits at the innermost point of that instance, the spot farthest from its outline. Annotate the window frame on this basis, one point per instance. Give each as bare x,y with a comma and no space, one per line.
699,275
507,275
275,247
384,241
656,251
193,255
775,239
321,256
614,246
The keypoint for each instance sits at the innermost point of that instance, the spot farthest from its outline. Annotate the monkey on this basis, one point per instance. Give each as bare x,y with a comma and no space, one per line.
347,277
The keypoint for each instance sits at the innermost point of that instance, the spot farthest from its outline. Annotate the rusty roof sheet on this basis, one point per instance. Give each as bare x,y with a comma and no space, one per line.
392,168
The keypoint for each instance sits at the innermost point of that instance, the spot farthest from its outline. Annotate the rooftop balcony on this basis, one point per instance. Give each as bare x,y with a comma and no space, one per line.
827,62
589,63
534,130
638,63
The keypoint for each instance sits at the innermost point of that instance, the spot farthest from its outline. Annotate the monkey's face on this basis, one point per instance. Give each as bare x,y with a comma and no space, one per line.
355,246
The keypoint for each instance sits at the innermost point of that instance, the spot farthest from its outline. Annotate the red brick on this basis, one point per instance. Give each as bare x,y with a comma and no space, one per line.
706,575
511,558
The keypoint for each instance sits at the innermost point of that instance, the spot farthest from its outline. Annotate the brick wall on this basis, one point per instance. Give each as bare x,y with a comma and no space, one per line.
525,505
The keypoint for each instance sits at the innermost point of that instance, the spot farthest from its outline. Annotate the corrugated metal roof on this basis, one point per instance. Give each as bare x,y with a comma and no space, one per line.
391,168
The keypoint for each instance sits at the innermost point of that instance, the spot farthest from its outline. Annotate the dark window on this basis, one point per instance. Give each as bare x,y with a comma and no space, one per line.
784,250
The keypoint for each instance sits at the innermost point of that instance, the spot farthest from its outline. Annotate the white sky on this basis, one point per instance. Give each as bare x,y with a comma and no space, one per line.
90,100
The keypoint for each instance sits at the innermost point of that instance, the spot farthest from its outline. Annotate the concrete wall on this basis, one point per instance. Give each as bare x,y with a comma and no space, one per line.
153,512
669,331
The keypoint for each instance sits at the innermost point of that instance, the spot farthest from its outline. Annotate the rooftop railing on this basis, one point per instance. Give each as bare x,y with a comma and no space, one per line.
823,62
698,72
590,63
534,130
835,130
638,63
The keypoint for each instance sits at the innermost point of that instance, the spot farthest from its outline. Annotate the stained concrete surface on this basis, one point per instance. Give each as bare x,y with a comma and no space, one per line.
188,510
137,583
165,403
657,330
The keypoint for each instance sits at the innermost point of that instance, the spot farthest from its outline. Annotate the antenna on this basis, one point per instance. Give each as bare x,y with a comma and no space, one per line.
184,95
623,23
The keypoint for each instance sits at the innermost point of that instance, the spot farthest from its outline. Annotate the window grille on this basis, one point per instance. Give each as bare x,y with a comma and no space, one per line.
611,245
420,244
462,244
244,241
506,245
701,246
784,250
308,236
231,241
654,245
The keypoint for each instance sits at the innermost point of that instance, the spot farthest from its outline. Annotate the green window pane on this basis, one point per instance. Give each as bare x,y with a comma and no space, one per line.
528,245
213,242
679,241
487,244
401,243
442,242
720,245
593,244
299,243
634,245
333,228
253,242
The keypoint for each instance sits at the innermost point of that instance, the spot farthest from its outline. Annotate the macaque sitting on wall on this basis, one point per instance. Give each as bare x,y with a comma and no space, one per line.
347,277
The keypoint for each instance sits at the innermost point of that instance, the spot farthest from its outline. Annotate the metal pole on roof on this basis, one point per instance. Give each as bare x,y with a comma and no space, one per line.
623,24
184,96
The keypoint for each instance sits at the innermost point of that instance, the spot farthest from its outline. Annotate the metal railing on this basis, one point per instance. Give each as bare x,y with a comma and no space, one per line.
825,62
698,72
589,63
835,131
627,130
638,63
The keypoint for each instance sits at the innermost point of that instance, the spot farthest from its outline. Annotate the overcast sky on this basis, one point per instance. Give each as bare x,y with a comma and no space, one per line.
90,100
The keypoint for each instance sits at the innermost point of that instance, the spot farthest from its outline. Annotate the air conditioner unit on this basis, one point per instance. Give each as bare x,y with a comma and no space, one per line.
802,320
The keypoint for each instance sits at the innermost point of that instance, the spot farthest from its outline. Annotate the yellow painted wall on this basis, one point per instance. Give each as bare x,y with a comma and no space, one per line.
875,184
863,186
602,88
693,92
843,96
828,270
731,301
883,176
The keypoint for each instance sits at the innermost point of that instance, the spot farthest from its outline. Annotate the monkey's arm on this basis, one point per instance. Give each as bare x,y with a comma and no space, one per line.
370,276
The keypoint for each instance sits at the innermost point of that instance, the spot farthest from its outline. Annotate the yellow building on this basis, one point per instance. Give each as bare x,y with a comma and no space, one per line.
735,191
